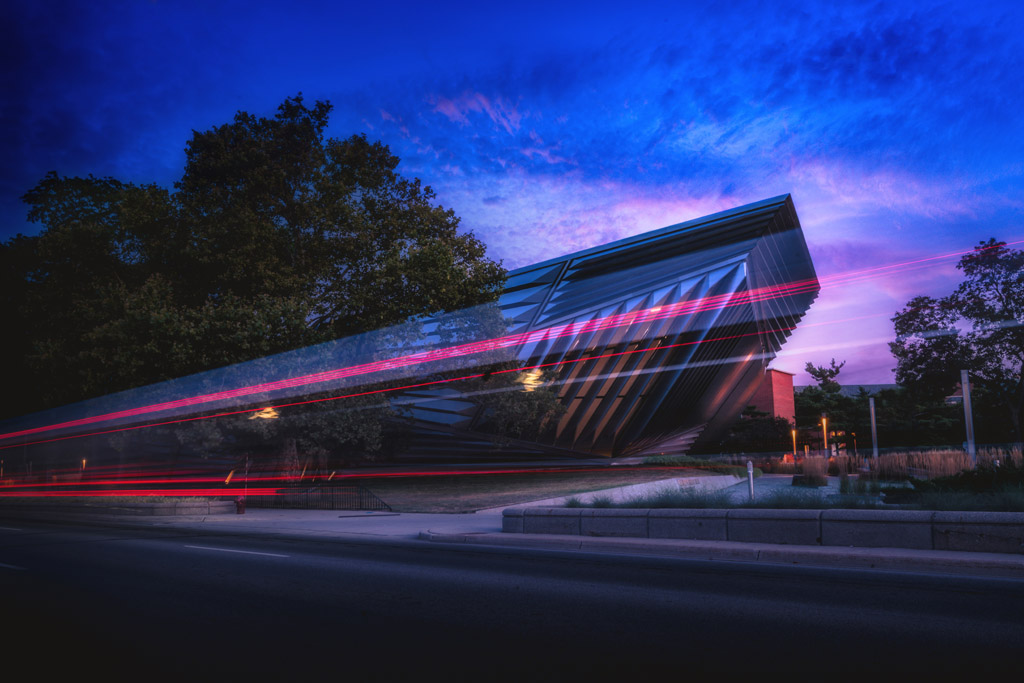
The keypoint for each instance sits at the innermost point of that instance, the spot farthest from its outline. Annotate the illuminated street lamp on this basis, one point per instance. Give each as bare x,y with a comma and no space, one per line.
793,432
824,433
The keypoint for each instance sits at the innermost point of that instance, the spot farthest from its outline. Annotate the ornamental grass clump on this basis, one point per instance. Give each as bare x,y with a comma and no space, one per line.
696,499
815,471
934,464
839,465
994,457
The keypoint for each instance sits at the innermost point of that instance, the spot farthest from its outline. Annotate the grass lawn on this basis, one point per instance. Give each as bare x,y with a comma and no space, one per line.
471,492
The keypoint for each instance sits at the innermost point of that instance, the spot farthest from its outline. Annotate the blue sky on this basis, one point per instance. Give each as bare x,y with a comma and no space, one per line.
551,129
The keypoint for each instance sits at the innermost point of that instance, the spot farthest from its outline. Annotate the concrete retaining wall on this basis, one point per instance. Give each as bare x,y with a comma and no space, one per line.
993,532
162,509
192,507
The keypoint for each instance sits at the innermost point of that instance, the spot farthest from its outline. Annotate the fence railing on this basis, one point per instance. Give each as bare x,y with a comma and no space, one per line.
321,497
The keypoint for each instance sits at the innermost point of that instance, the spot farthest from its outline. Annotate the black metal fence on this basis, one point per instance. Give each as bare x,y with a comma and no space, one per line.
321,497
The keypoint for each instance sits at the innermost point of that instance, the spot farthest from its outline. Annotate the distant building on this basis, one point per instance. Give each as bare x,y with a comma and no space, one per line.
853,390
957,397
774,395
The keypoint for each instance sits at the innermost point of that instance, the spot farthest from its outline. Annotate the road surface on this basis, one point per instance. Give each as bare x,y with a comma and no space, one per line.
159,604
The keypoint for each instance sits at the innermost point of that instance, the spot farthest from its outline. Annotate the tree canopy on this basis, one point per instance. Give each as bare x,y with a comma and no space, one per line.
275,237
980,328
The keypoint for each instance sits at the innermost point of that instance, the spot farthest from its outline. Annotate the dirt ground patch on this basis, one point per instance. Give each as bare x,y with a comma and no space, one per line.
471,492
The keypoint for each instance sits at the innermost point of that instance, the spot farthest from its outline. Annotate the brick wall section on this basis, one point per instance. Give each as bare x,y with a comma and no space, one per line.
774,395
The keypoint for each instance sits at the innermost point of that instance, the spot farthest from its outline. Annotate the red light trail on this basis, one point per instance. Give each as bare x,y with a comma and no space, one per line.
558,331
257,484
400,388
652,314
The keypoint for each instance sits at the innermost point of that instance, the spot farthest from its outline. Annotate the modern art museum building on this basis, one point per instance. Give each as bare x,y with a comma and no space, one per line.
646,345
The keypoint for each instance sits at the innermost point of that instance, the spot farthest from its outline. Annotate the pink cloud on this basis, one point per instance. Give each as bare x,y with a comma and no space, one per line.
447,107
500,111
843,191
546,155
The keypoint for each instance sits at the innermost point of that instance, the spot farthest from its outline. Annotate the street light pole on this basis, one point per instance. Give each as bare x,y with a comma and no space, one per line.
965,384
824,434
874,429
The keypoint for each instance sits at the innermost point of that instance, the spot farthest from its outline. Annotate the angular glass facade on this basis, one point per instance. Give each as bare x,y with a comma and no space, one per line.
641,346
655,341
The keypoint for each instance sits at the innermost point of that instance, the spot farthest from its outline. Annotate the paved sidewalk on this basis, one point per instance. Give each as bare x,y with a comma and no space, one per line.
484,528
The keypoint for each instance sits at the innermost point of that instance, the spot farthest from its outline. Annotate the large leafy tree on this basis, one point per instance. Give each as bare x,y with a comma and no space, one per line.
979,328
275,237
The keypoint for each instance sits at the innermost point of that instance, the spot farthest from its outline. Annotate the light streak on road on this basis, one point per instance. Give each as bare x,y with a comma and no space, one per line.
399,388
655,313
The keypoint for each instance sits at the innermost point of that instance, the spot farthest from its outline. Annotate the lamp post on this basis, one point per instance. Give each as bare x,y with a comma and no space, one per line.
793,432
965,384
824,434
874,429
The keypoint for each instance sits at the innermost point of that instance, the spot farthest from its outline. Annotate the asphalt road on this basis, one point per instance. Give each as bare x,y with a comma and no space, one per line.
159,605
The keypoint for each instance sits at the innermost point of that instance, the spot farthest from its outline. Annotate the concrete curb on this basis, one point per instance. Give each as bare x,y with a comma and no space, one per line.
985,532
885,559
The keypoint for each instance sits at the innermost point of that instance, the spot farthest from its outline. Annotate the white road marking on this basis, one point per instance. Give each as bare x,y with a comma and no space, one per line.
229,550
11,566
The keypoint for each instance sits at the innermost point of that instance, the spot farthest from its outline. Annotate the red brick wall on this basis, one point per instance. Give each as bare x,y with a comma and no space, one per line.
775,395
782,391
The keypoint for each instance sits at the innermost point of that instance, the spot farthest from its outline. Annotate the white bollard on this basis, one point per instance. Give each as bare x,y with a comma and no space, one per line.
750,478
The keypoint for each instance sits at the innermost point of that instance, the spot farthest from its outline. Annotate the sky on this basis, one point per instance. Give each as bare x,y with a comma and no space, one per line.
553,127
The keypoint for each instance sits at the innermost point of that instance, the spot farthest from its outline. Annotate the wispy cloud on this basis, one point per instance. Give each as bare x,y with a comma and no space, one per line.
500,111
